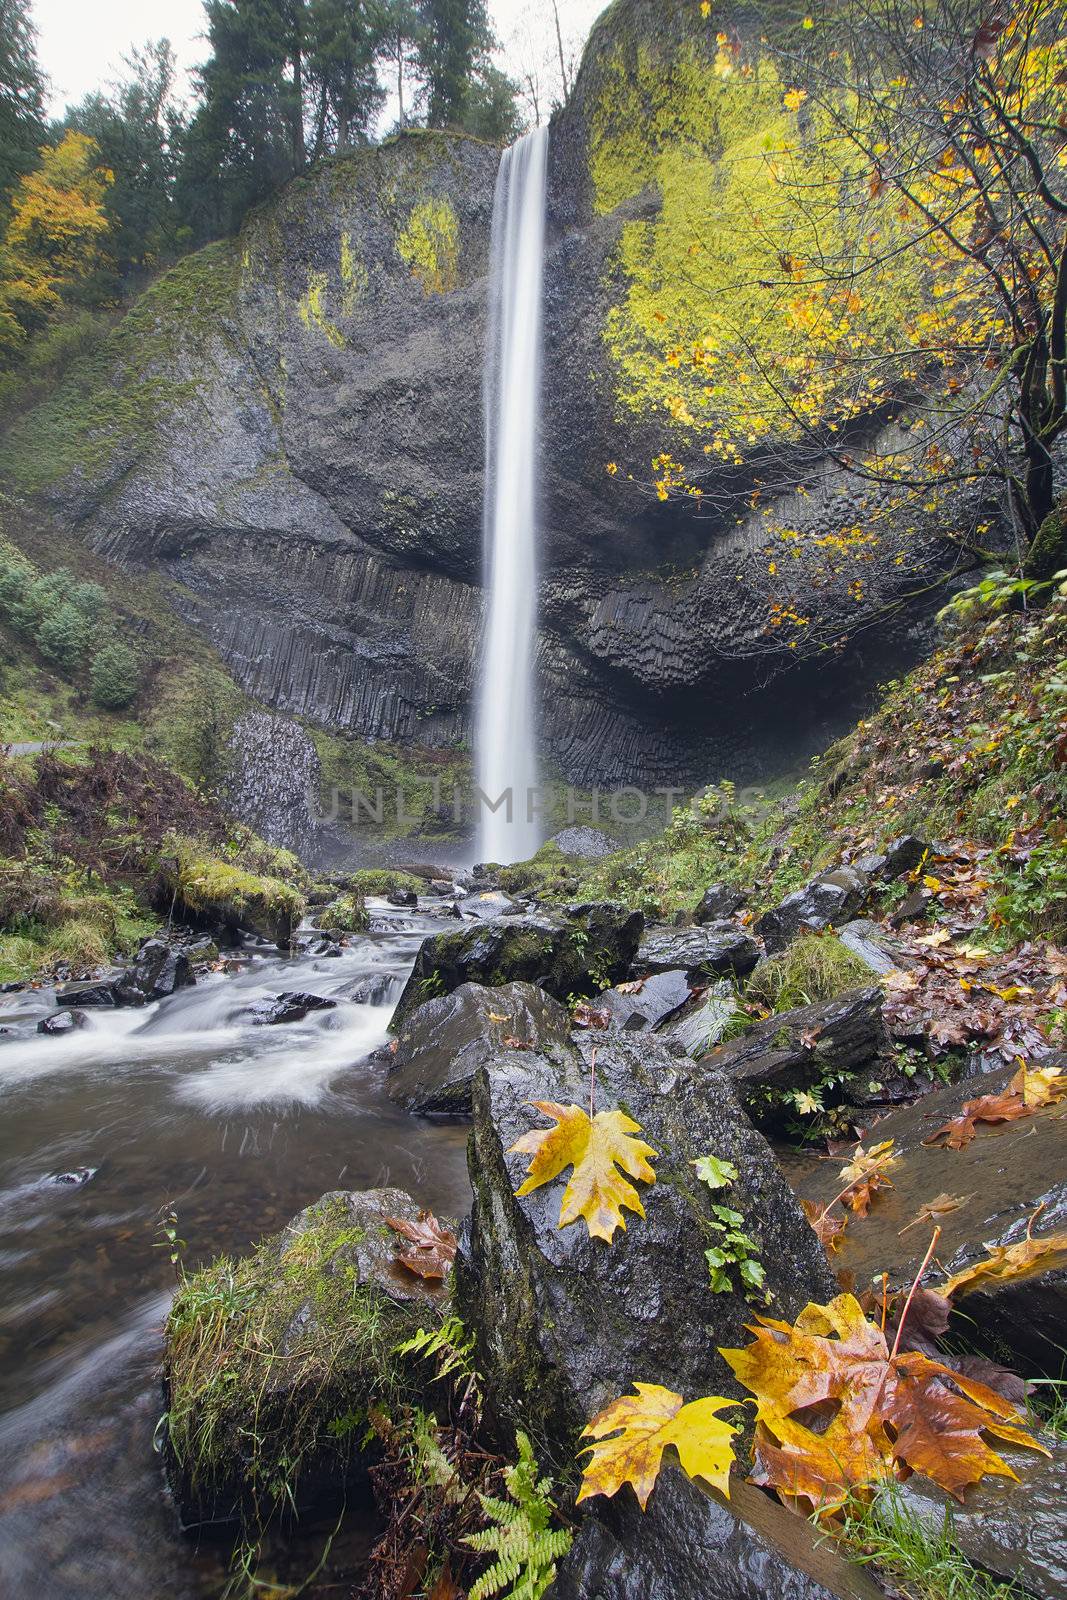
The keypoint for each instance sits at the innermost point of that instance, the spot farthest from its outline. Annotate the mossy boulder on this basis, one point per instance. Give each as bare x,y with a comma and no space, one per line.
272,1361
578,951
216,892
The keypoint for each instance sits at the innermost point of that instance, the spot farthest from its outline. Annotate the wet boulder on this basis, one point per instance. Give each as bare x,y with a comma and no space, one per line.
292,1006
868,941
800,1049
572,952
300,1335
402,897
698,1028
158,970
587,844
443,1043
566,1322
487,905
830,899
645,1002
99,993
702,953
1016,1531
719,901
1010,1178
902,855
62,1022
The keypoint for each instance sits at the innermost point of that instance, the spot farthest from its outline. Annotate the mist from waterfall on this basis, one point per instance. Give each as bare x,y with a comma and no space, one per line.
506,734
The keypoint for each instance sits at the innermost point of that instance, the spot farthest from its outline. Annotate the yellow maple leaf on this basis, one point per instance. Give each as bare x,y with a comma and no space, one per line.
793,99
643,1425
1039,1086
597,1149
1007,1262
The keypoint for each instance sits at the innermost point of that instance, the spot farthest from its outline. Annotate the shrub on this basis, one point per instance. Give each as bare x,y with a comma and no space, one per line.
817,966
63,637
115,676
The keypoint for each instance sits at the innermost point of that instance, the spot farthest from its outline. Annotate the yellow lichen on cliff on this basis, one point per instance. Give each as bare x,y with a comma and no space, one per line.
312,311
354,276
429,245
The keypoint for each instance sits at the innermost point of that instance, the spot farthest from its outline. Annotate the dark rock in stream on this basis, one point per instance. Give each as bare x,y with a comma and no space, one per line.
292,1006
443,1043
566,1323
485,906
62,1022
701,953
95,992
573,952
316,1314
157,971
1017,1531
402,897
645,1003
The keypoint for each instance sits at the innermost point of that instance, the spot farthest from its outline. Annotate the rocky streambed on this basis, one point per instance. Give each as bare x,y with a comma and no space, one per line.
193,1104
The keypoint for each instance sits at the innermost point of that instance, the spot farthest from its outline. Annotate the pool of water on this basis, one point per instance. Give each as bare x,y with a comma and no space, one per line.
183,1104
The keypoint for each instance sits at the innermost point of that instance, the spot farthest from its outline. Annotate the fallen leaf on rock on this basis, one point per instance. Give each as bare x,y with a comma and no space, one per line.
939,1206
876,1413
634,986
1028,1090
511,1043
993,1375
587,1016
866,1173
828,1228
1005,1263
435,1245
926,1322
643,1424
498,1016
597,1149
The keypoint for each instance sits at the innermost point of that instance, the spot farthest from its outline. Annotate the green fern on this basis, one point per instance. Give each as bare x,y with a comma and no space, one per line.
522,1538
450,1344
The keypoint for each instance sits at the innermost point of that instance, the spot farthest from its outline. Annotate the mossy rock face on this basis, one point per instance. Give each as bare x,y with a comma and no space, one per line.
214,892
272,1361
577,953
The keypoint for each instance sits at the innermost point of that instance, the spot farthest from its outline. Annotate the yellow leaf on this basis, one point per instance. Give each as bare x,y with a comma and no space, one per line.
496,1016
793,99
705,8
596,1149
932,882
1039,1086
1005,1263
643,1425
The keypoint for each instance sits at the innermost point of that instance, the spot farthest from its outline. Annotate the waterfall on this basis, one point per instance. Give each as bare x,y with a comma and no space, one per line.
506,752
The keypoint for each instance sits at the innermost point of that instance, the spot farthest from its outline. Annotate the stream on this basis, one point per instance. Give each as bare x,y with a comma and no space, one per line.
180,1104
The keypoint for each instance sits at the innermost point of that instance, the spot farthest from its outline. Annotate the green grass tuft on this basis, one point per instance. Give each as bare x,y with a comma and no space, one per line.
816,966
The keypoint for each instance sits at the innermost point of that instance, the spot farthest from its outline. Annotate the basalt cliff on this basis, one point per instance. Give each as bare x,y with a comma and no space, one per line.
288,424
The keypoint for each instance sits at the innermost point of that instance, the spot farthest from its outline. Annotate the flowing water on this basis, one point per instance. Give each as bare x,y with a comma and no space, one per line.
506,732
182,1103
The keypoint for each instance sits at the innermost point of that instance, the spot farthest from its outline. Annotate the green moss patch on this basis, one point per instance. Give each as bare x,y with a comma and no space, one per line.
814,967
217,890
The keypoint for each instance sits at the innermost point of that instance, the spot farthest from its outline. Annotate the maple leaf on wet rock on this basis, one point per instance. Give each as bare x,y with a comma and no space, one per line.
867,1172
434,1245
641,1426
604,1153
837,1411
1028,1091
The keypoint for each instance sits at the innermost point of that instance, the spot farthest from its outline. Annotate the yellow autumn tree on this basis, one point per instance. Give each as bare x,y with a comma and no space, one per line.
56,236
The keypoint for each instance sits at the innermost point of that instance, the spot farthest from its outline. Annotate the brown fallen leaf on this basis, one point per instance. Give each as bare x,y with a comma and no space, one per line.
587,1016
446,1587
1005,1263
828,1228
939,1206
878,1413
993,1375
634,986
866,1174
498,1016
435,1245
511,1043
926,1322
1030,1089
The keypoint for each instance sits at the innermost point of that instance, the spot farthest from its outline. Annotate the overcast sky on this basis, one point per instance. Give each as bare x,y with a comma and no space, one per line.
82,42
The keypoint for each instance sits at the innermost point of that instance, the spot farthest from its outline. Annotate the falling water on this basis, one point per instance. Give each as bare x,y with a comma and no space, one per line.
506,755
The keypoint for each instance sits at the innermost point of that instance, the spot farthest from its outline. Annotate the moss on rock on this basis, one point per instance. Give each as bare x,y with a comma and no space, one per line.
219,891
273,1361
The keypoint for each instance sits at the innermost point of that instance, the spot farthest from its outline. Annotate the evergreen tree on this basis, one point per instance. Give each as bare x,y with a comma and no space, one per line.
138,132
21,95
345,38
454,43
